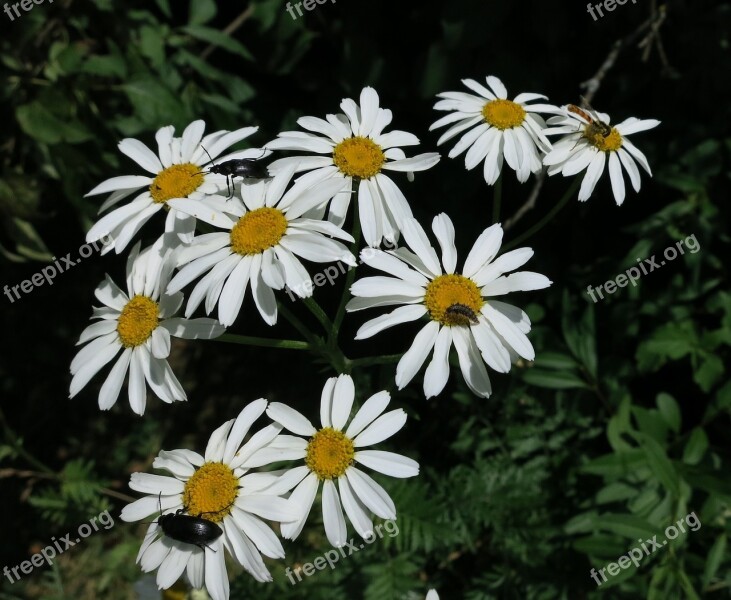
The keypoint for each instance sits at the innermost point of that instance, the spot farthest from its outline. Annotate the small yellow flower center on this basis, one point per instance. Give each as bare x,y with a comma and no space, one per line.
453,300
329,453
139,318
258,230
211,492
503,114
359,157
595,135
177,181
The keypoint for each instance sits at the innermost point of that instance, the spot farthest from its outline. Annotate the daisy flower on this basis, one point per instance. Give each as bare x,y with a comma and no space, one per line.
140,324
353,147
331,453
264,233
176,171
497,127
219,487
460,307
588,143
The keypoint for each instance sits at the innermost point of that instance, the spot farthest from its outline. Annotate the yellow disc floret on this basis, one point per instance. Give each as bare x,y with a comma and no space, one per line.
329,453
211,492
258,230
453,300
139,318
359,157
177,181
596,137
503,114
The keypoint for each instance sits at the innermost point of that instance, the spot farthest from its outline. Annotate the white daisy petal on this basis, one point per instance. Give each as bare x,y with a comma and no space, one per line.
388,463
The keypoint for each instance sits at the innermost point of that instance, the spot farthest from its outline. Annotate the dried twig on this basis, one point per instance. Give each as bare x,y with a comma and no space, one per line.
530,202
230,29
653,23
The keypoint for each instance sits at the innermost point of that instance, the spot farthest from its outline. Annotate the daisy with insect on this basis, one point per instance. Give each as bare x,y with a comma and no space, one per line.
353,148
496,128
220,487
262,236
178,170
140,323
461,308
331,453
589,142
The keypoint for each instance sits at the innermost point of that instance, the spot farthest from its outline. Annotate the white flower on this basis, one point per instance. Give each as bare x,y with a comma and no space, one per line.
353,147
330,455
140,323
588,143
177,172
264,235
497,127
217,487
461,308
432,595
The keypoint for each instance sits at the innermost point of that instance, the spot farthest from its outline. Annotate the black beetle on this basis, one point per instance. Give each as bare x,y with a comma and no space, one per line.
189,529
246,168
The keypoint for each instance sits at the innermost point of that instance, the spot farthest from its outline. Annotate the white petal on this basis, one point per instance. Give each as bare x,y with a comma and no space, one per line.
332,515
290,419
388,463
381,429
411,362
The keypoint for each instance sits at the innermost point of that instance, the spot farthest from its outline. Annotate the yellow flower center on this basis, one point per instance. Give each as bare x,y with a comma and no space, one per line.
595,134
359,157
211,492
177,181
139,318
258,230
329,453
503,114
453,300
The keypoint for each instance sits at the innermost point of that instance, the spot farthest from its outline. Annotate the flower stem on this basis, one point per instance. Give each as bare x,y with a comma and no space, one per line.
376,360
247,340
545,220
316,310
349,277
497,199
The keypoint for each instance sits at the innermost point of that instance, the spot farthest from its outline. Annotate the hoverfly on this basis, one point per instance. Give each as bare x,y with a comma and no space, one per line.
595,124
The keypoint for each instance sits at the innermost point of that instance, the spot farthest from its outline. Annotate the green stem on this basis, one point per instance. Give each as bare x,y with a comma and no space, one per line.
376,360
350,276
247,340
497,199
545,220
298,325
17,445
316,310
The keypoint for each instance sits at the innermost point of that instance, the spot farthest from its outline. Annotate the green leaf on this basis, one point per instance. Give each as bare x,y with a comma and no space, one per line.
661,465
39,123
709,373
669,342
201,11
555,360
714,560
696,447
556,380
670,411
215,37
629,526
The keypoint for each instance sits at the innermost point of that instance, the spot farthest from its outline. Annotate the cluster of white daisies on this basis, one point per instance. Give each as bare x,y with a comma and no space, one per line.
257,239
